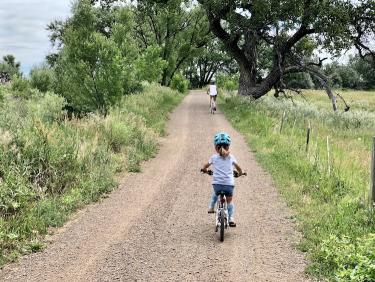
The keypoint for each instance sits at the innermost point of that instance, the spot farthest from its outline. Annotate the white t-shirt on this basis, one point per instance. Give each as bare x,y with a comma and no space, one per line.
213,90
223,169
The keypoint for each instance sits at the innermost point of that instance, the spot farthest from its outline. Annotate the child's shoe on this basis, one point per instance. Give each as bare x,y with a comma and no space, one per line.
232,223
211,210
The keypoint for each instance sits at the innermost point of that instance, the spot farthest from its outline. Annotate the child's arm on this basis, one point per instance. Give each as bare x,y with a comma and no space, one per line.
205,166
238,168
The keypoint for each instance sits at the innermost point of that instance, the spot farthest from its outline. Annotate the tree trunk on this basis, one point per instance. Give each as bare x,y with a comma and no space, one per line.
249,87
246,83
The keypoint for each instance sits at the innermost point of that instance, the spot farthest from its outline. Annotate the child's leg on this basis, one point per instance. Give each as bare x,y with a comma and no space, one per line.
230,211
230,208
213,200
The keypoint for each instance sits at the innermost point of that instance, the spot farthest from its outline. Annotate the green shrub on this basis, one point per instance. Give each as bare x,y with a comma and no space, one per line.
349,260
20,84
179,83
51,165
42,78
21,88
150,65
227,82
48,107
1,94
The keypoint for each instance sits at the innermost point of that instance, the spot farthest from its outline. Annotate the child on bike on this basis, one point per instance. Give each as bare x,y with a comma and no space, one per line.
212,91
223,179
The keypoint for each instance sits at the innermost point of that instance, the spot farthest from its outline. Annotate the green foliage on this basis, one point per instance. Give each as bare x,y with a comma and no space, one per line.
94,71
350,77
356,74
348,260
290,32
299,81
365,69
21,88
20,84
42,78
9,66
179,83
179,28
150,65
1,94
227,82
210,60
51,165
328,195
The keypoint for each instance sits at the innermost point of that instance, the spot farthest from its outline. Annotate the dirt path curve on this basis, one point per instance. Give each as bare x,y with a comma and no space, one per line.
155,227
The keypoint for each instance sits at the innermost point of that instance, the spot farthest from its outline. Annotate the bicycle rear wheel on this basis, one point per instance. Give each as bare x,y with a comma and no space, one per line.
222,225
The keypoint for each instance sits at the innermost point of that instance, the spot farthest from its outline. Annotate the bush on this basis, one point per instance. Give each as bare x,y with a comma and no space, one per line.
50,165
42,78
228,82
179,83
299,81
1,94
350,260
21,88
48,108
150,65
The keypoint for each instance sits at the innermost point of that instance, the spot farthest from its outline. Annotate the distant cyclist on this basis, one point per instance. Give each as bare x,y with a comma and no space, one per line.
212,91
223,179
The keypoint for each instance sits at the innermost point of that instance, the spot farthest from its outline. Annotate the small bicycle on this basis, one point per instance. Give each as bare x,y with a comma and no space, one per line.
212,105
222,218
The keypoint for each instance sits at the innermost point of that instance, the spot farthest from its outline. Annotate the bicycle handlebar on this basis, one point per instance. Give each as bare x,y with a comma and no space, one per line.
235,173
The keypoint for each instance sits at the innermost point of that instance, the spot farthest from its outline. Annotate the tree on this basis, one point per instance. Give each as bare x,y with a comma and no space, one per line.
149,65
178,28
210,60
105,16
11,61
286,30
365,69
93,71
9,67
42,78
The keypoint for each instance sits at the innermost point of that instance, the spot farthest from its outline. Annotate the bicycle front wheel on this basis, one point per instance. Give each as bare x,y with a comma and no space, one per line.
222,225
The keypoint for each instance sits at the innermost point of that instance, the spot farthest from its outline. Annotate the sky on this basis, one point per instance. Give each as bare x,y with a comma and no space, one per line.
23,28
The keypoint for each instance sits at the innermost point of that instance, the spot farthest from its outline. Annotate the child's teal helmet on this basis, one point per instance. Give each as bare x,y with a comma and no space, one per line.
222,138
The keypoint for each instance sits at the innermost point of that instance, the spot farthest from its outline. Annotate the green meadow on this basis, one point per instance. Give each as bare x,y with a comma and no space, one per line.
326,183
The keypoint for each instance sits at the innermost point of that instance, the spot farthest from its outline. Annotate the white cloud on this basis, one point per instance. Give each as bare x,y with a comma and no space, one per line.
23,28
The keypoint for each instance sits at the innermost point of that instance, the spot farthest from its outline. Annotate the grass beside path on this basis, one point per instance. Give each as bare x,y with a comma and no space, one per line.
50,166
326,185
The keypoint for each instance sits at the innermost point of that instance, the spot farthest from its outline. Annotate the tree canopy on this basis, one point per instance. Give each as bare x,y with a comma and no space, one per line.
287,32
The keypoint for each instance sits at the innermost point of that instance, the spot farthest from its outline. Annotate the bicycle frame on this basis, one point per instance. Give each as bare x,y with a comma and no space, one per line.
221,215
212,104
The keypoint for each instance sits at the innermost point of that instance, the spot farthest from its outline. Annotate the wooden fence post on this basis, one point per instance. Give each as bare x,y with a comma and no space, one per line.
308,137
372,191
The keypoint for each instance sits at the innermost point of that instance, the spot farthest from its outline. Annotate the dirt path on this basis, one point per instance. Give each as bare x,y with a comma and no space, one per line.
155,227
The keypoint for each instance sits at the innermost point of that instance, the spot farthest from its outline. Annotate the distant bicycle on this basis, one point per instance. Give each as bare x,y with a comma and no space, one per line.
212,105
212,92
222,218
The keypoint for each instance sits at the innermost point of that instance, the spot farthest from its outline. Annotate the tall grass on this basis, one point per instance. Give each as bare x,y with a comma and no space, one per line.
51,165
327,186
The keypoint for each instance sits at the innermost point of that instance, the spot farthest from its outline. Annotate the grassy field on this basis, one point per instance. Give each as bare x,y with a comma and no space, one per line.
357,100
51,165
326,184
